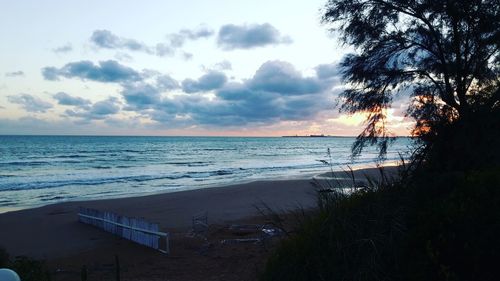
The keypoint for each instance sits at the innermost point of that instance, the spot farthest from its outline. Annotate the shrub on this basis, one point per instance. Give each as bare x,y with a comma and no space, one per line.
28,269
438,227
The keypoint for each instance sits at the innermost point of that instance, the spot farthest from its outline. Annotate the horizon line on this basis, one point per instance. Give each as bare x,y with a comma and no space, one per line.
201,136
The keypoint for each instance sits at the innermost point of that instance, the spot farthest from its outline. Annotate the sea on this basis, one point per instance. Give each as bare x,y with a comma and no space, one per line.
41,170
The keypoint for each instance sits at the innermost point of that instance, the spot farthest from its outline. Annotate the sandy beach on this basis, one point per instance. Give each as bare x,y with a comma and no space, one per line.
53,233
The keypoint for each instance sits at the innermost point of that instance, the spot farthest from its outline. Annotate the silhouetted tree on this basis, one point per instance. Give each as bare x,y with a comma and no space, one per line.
444,53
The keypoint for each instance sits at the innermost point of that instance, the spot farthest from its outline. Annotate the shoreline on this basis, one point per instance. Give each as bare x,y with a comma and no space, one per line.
305,176
52,231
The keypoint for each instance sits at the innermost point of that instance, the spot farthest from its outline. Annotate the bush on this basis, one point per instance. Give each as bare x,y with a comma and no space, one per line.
352,238
457,226
438,227
28,269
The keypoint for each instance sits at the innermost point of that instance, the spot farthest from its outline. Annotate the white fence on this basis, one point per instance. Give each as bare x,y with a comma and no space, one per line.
134,229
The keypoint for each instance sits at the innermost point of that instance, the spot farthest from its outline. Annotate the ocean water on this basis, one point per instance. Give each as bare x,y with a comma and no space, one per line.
40,170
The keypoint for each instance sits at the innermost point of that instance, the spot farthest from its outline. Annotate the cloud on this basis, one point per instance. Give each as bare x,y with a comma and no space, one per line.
163,50
224,65
282,77
31,125
30,103
106,107
97,111
326,71
65,99
106,39
141,96
232,36
50,73
221,66
105,71
165,83
210,81
63,49
178,39
277,92
123,57
14,74
197,33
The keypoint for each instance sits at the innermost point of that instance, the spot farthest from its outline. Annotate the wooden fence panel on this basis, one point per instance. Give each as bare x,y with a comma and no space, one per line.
134,229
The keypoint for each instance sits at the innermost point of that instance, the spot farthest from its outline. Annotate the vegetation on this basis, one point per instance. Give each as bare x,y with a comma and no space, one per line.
440,228
28,269
440,220
443,54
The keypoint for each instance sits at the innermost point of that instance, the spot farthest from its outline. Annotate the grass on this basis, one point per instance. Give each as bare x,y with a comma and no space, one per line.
441,226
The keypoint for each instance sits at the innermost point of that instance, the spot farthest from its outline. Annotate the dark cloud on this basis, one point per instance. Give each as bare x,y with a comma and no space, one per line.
242,105
105,71
141,96
106,39
65,99
50,73
97,111
106,107
30,103
282,77
14,74
63,49
232,36
210,81
277,92
271,102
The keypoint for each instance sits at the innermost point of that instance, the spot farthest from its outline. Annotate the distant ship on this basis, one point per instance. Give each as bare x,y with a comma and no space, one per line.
309,136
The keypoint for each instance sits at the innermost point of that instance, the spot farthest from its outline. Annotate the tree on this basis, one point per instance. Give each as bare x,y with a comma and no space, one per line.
444,53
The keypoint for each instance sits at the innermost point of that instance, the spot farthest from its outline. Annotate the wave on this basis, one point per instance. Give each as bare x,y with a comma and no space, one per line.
85,182
101,167
218,149
57,156
221,173
54,198
190,163
108,180
24,163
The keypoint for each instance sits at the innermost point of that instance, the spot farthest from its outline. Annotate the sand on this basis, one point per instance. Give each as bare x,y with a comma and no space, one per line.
54,234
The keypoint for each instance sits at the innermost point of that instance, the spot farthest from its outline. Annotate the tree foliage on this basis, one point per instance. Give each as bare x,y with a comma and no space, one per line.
445,54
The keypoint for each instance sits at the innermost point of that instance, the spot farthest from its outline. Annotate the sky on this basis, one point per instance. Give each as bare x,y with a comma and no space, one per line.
192,67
